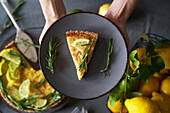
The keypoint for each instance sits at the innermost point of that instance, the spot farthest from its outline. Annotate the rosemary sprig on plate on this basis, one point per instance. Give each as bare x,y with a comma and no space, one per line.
110,49
28,44
85,57
51,55
7,22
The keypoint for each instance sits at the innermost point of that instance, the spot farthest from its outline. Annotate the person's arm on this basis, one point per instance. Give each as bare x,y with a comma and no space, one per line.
119,13
52,10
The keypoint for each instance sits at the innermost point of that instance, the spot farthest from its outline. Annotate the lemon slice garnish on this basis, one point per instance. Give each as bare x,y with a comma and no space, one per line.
14,70
9,78
6,54
79,42
12,67
16,74
24,89
11,81
3,67
40,102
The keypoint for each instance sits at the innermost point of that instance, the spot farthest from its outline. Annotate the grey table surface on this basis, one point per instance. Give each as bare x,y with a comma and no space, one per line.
149,16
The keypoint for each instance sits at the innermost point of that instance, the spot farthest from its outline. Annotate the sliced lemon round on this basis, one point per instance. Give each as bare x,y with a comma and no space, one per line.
79,44
14,70
40,102
6,54
16,74
14,83
9,78
24,89
12,67
3,67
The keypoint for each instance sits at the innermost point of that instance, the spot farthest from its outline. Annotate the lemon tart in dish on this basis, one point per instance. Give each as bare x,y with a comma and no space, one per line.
23,87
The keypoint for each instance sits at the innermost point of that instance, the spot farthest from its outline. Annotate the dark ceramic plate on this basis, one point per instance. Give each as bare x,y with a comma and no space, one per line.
94,84
34,33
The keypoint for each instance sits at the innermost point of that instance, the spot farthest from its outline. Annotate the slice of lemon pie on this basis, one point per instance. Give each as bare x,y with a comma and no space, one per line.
81,45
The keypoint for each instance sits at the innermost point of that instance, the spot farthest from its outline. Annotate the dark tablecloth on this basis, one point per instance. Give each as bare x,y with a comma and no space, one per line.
149,16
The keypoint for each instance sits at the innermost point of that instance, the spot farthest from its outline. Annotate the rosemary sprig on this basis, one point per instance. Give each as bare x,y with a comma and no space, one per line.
49,95
7,22
85,57
40,83
51,56
110,49
28,44
15,102
55,99
28,101
85,44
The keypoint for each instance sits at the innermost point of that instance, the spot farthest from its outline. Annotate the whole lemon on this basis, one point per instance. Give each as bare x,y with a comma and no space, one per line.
117,107
162,101
103,9
146,88
141,105
165,86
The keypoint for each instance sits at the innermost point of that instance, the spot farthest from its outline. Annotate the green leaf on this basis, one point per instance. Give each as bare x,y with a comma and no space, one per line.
149,48
114,96
157,63
161,43
132,84
144,36
134,58
144,72
151,70
154,53
122,101
133,94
